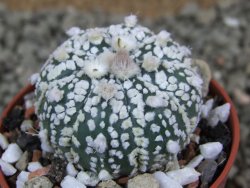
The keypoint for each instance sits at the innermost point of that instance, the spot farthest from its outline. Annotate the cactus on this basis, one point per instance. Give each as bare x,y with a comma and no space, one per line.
118,101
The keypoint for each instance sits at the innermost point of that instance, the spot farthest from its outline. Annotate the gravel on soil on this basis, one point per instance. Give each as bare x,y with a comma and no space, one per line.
219,35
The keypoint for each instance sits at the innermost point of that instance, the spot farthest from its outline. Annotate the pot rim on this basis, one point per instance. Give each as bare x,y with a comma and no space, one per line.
214,88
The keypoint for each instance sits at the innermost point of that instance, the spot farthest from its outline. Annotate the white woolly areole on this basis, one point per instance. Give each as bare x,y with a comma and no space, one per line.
122,66
7,168
211,150
124,42
61,54
12,154
106,90
69,181
184,176
104,175
100,143
130,21
150,63
156,101
73,31
95,36
163,37
165,181
3,142
173,147
55,94
96,68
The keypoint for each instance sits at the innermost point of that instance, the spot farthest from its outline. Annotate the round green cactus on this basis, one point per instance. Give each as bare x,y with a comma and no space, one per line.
118,101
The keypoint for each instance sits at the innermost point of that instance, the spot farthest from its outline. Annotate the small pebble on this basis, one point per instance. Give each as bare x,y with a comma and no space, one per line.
3,142
33,166
12,154
195,161
219,114
26,125
39,182
69,181
87,178
108,184
185,175
207,168
142,181
22,163
166,181
211,150
7,168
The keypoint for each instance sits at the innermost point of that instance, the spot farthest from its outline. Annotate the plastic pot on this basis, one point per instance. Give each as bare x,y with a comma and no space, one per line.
215,90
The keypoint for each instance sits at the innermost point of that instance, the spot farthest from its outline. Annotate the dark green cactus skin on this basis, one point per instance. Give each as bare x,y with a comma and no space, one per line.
115,155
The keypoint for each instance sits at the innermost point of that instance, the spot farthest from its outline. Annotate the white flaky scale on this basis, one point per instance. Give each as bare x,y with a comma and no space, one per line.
156,101
150,63
100,143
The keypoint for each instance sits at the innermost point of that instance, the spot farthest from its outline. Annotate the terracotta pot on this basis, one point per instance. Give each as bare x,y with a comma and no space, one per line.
215,89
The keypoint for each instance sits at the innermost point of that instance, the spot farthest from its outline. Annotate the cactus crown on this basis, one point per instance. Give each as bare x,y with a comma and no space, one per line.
119,100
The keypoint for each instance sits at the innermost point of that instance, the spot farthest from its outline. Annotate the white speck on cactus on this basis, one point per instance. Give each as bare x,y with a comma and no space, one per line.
173,147
59,109
64,141
33,166
149,116
67,131
3,141
165,181
211,150
184,176
122,65
123,112
87,178
100,143
91,125
12,154
95,36
7,168
69,181
220,113
160,77
114,143
55,95
130,21
73,31
113,118
156,101
155,128
34,78
45,145
75,141
126,124
137,131
159,138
